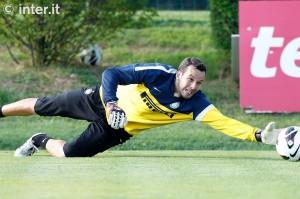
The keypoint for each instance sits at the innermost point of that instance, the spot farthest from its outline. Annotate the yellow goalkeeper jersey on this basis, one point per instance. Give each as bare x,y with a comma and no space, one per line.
146,94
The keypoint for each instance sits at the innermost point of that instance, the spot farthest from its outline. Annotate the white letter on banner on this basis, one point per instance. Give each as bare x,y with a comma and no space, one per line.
289,55
262,43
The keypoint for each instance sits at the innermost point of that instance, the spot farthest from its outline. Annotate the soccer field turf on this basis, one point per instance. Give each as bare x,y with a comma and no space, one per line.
151,174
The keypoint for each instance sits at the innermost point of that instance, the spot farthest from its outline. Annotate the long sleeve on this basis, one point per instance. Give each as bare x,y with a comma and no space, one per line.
231,127
112,77
130,74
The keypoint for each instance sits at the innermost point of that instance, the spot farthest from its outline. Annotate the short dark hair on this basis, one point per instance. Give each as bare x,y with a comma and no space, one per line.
192,61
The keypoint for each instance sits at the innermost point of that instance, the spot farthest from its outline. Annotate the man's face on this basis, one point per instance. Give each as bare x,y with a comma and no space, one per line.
188,82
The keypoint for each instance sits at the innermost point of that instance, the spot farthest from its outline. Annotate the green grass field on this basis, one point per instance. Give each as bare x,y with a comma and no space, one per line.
151,174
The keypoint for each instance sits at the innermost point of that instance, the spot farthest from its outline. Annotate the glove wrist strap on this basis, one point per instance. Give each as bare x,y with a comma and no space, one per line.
258,136
111,102
1,113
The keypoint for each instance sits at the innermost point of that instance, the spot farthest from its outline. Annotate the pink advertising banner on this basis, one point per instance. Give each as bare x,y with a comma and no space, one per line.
269,56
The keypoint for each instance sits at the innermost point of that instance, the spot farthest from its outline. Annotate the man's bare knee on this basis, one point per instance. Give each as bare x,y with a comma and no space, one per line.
29,104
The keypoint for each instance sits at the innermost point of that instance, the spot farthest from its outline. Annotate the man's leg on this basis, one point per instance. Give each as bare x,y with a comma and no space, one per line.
25,107
41,140
56,147
82,104
78,104
53,146
98,137
20,108
75,104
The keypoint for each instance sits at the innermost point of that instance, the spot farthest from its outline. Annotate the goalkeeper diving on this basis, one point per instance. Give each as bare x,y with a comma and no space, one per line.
131,99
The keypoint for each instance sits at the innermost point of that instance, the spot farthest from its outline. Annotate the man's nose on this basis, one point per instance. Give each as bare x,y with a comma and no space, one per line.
194,86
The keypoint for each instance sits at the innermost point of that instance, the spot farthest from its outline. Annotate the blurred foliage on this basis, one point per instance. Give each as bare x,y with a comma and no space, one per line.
60,36
179,4
224,22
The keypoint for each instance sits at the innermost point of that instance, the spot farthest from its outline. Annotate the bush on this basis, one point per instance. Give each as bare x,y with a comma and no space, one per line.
224,21
59,37
6,96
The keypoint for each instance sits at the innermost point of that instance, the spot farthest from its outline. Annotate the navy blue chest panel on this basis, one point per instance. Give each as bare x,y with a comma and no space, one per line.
163,90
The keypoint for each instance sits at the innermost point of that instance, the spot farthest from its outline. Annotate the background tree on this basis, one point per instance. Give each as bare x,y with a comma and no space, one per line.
224,22
58,37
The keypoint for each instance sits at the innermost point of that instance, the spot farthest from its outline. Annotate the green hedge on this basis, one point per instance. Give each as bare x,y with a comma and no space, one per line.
224,21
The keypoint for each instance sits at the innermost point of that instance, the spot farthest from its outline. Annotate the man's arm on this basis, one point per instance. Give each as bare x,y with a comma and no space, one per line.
131,74
125,75
237,129
112,77
234,128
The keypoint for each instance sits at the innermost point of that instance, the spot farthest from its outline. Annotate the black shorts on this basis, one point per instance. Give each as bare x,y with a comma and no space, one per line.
84,104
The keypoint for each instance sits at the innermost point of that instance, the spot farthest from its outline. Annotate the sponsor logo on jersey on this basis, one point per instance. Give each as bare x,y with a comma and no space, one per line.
152,106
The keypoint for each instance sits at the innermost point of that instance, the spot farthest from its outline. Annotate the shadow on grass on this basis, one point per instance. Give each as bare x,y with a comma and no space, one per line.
236,155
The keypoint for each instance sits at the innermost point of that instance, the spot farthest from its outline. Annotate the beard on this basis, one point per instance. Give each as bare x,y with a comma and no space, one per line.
187,94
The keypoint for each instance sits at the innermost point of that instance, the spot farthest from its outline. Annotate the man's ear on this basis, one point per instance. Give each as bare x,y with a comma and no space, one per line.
178,74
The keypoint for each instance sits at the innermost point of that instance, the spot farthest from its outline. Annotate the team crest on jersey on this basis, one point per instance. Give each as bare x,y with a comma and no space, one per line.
175,105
